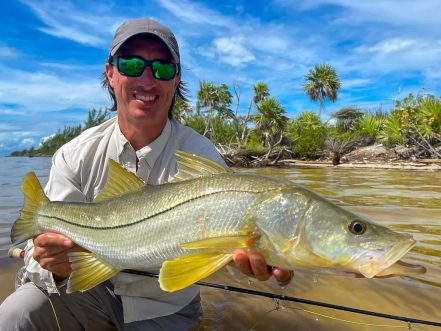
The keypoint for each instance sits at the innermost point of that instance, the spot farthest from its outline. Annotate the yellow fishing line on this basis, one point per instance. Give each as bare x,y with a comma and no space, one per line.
55,314
52,306
409,327
278,306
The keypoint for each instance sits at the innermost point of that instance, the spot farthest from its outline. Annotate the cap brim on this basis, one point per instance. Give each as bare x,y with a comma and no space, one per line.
116,47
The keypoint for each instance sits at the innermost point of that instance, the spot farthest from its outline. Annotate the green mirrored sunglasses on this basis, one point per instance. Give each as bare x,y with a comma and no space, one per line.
134,66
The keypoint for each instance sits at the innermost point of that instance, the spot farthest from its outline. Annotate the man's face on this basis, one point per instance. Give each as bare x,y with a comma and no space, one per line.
144,98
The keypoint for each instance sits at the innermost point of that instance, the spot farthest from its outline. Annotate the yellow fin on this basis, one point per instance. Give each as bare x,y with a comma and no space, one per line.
192,166
185,271
222,242
119,182
88,272
25,226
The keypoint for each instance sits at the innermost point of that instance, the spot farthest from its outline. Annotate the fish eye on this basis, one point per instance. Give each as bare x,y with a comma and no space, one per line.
357,227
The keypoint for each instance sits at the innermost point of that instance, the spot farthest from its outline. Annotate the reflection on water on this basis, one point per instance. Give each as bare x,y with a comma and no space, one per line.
407,201
367,187
403,200
12,170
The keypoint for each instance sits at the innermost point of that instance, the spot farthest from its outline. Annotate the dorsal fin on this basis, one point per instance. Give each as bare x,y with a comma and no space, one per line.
192,166
119,181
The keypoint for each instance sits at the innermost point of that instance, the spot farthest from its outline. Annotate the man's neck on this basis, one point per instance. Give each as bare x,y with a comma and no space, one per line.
140,134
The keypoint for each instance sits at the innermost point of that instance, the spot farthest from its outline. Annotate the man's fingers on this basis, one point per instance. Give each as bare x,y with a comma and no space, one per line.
45,252
242,261
254,264
54,262
53,239
259,266
282,276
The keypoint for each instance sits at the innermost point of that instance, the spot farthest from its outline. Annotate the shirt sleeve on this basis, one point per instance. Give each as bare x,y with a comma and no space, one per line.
63,185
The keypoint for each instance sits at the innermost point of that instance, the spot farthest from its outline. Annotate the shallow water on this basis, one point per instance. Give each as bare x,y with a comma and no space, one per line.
407,201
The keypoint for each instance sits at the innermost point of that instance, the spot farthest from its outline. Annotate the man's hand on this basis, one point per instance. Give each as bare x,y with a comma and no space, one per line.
51,253
254,264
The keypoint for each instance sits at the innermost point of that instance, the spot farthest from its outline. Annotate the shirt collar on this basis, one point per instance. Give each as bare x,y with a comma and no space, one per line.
148,153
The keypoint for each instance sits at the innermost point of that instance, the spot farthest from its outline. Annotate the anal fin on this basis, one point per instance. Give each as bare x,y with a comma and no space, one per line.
185,271
88,272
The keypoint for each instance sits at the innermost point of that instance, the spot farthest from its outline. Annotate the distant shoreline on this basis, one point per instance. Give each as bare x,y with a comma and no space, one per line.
419,165
411,165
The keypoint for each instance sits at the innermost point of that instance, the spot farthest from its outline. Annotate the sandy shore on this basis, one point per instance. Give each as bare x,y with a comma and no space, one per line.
420,165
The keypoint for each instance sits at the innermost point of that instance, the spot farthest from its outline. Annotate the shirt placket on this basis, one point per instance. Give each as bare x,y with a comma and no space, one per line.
144,170
128,158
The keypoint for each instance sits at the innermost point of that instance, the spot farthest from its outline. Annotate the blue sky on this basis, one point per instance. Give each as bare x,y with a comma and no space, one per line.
52,53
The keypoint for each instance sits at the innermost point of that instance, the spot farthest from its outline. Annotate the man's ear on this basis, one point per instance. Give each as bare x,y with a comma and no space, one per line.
177,80
109,74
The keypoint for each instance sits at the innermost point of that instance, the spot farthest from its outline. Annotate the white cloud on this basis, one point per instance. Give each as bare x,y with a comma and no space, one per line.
6,51
44,139
11,136
393,12
398,55
8,111
390,46
27,142
63,20
6,127
42,91
195,13
232,51
356,83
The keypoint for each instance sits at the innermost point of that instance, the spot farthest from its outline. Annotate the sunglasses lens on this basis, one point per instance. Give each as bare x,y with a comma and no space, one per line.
134,67
131,67
163,71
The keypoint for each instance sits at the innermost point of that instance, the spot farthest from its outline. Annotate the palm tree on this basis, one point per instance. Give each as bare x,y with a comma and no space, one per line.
321,83
181,110
216,100
261,92
270,121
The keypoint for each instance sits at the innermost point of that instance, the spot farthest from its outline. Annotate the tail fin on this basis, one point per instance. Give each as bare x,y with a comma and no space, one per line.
25,227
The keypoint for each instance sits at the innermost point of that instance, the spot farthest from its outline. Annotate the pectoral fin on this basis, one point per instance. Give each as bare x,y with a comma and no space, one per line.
185,271
88,272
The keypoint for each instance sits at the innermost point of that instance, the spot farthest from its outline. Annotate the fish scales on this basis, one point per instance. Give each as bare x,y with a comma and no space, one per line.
156,199
218,209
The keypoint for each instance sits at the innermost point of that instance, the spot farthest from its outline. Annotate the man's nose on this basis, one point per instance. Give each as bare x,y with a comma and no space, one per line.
147,76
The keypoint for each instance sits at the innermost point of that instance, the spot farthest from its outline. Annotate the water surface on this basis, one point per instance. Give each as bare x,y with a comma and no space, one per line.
407,201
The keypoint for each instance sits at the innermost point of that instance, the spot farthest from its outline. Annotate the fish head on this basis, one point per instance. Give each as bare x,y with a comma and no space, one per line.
349,242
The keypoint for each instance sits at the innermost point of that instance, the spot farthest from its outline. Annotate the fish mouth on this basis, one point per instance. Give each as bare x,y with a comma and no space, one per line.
372,265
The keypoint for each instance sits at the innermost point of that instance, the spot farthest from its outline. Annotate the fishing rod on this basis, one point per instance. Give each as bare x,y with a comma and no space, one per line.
19,253
408,320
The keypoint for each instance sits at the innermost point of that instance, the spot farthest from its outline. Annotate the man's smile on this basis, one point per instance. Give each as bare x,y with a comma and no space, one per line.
146,98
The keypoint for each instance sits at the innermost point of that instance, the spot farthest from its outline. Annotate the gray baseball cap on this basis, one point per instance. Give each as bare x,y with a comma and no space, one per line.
140,26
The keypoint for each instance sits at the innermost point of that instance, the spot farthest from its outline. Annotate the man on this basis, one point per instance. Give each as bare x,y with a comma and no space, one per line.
143,76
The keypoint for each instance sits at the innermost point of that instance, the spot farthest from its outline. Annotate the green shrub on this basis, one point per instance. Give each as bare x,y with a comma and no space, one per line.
307,134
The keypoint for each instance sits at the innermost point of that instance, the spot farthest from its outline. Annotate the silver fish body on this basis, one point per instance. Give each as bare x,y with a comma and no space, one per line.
207,218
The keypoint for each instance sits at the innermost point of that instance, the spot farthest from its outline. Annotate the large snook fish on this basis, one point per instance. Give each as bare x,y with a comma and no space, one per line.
190,228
